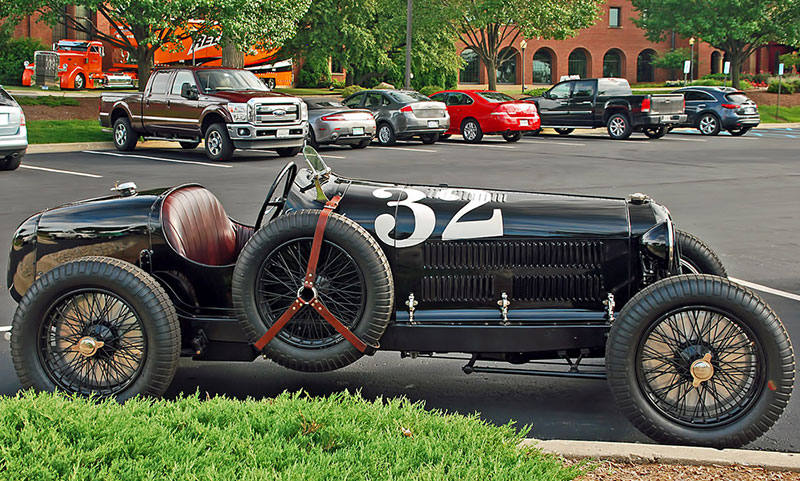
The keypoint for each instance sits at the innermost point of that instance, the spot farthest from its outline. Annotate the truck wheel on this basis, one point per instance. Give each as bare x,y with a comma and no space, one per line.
219,146
655,132
80,82
11,162
353,281
189,144
709,124
288,151
429,139
96,325
619,127
471,131
125,138
386,136
512,136
700,360
564,131
697,257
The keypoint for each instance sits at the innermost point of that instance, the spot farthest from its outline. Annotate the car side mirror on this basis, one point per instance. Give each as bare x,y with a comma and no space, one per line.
546,95
189,91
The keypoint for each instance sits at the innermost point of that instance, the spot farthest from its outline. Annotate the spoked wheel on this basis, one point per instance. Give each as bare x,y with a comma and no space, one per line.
700,360
96,326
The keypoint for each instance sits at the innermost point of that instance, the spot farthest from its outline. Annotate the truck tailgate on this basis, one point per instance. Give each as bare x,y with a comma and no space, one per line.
666,103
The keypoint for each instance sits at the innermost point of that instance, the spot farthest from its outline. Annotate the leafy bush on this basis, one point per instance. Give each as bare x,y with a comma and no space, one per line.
337,84
672,60
348,91
13,53
713,76
429,90
292,436
756,78
314,73
536,92
787,86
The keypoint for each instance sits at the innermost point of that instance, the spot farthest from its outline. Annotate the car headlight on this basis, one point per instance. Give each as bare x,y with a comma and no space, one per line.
659,242
238,112
303,111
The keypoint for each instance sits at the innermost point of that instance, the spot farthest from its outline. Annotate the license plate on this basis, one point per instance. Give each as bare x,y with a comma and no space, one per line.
433,124
3,119
283,133
749,110
358,130
523,123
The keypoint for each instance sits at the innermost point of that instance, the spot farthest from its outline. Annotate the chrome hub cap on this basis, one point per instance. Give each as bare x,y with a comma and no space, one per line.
702,370
120,134
470,131
708,124
88,346
383,134
214,142
617,126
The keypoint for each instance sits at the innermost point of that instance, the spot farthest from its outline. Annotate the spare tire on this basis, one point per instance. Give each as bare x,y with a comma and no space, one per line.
353,281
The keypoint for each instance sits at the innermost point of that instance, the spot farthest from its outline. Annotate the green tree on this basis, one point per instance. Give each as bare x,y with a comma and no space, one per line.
487,25
672,60
737,29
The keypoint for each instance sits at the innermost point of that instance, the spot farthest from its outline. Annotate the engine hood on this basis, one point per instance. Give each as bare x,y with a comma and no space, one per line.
244,96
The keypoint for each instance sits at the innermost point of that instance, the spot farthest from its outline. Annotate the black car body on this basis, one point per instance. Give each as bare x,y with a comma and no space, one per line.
713,109
503,276
607,102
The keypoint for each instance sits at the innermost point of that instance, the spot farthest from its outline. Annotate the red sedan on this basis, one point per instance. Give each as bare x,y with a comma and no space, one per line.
475,113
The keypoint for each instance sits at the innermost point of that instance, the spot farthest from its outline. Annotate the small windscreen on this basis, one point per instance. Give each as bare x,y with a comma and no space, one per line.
407,96
320,104
70,46
737,97
495,97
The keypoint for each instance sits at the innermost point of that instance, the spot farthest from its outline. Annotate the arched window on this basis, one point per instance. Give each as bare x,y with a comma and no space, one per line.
645,71
715,62
542,67
612,64
578,63
507,68
471,71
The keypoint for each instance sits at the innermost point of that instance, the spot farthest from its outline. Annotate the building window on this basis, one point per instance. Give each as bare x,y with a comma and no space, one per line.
542,67
60,29
578,63
84,19
715,62
469,74
507,70
613,17
336,66
612,64
645,72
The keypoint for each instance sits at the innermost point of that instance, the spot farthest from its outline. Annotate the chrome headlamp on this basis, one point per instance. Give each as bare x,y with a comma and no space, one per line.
659,242
303,111
238,112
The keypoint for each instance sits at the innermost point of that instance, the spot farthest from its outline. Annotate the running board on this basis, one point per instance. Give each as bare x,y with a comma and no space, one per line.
172,139
574,369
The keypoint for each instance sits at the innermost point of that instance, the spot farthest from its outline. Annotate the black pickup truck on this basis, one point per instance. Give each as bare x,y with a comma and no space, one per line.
610,103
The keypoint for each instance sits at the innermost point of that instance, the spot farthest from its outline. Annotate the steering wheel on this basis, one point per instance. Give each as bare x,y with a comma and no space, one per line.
277,203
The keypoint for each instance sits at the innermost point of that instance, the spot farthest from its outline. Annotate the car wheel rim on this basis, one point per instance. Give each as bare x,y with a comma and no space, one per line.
339,285
92,341
78,82
708,124
383,135
617,126
214,142
120,134
700,366
470,131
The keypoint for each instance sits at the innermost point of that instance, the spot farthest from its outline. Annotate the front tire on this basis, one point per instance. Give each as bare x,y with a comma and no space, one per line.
288,151
96,325
709,124
700,360
471,131
697,257
619,127
739,132
80,82
218,144
512,136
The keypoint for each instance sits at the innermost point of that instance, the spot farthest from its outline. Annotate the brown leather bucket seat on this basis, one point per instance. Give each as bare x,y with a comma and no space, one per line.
197,227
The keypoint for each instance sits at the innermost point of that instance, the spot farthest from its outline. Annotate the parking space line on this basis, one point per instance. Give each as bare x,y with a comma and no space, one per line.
684,138
409,149
479,145
5,328
59,171
769,290
545,141
162,159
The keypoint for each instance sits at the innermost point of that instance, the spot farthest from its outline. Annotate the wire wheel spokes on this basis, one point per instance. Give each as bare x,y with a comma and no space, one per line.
339,285
92,342
679,342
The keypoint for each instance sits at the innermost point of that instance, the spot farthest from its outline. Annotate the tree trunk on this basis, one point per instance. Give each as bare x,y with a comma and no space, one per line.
735,67
491,73
144,62
231,55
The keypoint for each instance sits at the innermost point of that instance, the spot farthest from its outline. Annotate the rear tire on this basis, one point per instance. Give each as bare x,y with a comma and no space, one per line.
658,346
739,132
655,132
619,127
125,138
564,131
429,139
709,124
218,144
386,135
512,136
353,281
288,151
471,131
11,162
697,257
110,301
361,145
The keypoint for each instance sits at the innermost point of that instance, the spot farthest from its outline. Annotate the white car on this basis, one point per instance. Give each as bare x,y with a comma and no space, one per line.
13,133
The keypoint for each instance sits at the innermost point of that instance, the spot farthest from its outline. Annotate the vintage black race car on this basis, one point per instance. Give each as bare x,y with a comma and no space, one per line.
113,290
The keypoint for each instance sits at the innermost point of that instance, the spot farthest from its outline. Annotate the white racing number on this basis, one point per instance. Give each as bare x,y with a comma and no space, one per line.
425,217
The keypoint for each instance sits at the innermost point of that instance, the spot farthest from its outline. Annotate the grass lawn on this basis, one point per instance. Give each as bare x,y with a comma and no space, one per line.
60,131
49,100
308,92
290,437
787,114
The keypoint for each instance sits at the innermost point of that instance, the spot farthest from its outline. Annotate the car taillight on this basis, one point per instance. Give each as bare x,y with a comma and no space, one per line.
22,118
407,108
730,106
334,117
646,105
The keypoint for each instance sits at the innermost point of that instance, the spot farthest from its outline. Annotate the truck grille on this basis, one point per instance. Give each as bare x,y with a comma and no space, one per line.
557,288
274,113
666,105
457,288
429,113
510,254
46,65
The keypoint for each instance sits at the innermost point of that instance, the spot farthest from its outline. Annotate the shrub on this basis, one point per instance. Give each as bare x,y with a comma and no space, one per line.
13,53
429,90
337,84
536,92
314,73
788,86
757,78
713,76
348,91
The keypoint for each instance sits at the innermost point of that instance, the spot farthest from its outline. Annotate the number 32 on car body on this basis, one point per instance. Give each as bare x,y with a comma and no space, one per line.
425,217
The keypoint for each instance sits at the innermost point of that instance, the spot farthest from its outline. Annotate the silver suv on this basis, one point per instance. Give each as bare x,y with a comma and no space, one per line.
13,133
402,114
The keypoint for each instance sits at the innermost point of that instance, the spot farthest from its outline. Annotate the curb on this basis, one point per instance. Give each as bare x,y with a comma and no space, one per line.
663,454
78,146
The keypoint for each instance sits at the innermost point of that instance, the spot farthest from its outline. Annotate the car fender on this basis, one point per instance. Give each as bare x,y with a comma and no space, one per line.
208,115
614,106
74,73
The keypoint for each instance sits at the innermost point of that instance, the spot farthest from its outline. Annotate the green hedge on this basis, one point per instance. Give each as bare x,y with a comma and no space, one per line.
291,437
348,91
13,53
536,92
314,73
787,85
429,90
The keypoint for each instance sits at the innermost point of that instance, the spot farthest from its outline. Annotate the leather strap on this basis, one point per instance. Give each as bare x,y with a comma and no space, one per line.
316,246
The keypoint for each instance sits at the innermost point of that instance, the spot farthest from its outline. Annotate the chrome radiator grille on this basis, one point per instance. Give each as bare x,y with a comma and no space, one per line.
274,113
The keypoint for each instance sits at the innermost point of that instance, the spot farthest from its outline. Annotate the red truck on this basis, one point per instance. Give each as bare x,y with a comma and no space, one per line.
226,108
74,64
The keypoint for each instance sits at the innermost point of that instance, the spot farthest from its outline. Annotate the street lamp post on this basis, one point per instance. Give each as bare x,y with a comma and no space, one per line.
522,45
691,61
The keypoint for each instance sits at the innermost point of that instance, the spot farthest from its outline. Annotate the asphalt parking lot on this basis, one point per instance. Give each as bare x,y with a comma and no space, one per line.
739,194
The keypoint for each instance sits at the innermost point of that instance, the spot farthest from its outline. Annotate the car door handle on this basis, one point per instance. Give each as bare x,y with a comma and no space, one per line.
169,103
147,102
701,105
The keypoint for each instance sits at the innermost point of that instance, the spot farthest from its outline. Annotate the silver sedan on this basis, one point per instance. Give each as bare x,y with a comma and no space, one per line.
332,122
13,132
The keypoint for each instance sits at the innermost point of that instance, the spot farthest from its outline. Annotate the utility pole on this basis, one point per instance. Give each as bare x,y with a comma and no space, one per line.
408,44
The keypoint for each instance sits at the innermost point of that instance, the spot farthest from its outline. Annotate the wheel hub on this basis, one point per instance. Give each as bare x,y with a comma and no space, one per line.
88,346
702,370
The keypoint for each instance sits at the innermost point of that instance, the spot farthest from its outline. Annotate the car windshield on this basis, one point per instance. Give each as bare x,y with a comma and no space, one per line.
407,96
495,97
318,104
73,46
737,97
228,79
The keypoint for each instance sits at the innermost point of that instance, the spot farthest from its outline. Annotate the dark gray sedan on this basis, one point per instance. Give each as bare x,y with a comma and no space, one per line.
712,109
403,114
331,122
